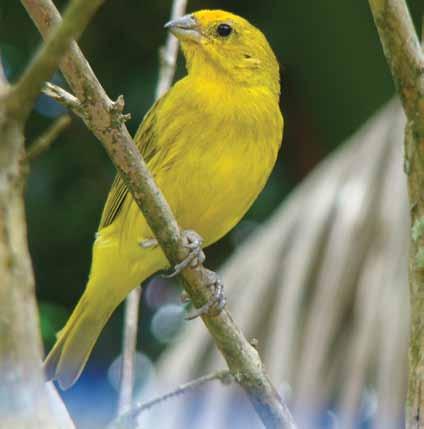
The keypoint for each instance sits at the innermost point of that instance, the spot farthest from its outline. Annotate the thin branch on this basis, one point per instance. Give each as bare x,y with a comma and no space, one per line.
403,53
129,418
43,142
76,17
224,376
406,60
64,98
168,55
106,123
129,348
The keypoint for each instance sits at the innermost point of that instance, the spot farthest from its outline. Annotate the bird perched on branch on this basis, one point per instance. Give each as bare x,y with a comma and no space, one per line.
210,143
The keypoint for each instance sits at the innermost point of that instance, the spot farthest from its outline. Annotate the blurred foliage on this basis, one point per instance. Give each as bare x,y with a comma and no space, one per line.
334,77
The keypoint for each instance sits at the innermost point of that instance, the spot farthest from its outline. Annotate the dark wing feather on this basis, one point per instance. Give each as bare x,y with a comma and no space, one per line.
145,140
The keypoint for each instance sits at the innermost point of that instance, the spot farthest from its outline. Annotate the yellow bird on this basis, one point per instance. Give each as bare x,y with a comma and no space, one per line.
210,143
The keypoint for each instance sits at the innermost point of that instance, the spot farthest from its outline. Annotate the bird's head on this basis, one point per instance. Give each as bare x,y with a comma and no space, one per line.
221,45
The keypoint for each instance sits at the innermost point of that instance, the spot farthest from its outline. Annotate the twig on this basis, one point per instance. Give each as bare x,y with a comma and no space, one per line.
406,59
106,123
43,142
403,53
224,376
64,98
168,55
129,418
76,17
132,304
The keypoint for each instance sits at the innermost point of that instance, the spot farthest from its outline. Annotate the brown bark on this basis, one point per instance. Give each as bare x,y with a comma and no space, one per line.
406,60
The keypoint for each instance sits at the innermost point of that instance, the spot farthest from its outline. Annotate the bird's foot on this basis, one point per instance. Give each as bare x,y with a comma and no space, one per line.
193,242
216,302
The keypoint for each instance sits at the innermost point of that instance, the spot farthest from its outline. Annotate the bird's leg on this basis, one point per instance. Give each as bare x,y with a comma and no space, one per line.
217,300
193,242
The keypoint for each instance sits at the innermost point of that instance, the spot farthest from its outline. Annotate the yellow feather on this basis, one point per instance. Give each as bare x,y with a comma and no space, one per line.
211,143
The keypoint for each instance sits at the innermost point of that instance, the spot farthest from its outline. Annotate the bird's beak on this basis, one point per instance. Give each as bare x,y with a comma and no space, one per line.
185,28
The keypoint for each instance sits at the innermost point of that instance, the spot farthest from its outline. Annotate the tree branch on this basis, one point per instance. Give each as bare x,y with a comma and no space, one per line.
46,60
168,55
107,124
129,418
406,60
403,53
64,98
26,398
43,142
129,348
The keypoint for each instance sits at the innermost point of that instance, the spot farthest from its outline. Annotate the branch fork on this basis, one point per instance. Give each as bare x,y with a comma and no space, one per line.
117,109
64,98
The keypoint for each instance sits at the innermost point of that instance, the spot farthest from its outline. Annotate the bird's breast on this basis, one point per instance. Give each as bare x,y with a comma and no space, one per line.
216,169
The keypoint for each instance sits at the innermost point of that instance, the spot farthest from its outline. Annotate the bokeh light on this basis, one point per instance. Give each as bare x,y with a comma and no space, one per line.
167,321
143,372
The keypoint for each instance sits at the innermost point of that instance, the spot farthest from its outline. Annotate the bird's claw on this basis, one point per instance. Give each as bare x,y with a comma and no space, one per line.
193,242
216,302
196,257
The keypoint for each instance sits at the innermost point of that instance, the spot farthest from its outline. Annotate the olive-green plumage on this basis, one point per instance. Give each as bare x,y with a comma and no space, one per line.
210,143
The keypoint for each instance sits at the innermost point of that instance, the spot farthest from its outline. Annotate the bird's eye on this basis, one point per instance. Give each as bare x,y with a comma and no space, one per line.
224,30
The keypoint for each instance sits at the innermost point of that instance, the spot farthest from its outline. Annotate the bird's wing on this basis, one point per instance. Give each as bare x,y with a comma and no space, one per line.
145,140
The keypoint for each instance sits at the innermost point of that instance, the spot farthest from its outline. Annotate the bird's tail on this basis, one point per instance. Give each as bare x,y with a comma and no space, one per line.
75,341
